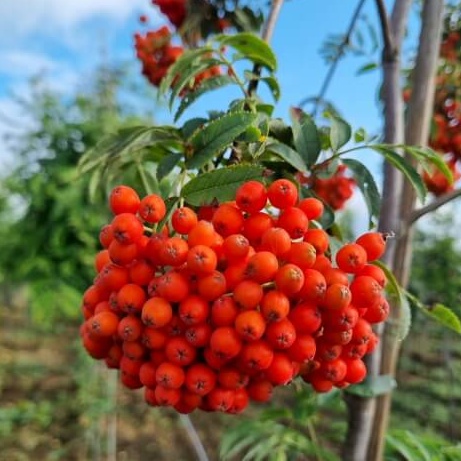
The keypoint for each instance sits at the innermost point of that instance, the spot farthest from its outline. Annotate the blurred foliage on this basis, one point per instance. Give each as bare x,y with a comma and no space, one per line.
48,225
436,267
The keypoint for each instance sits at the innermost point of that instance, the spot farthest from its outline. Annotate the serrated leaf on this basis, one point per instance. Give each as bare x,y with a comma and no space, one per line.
340,133
287,153
167,164
115,151
188,77
216,136
445,316
220,184
427,157
306,138
408,453
368,187
251,47
373,386
251,135
209,84
192,125
182,66
405,167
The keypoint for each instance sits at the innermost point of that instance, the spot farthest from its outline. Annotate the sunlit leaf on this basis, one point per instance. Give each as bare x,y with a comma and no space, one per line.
287,153
251,47
220,184
405,167
340,133
209,84
216,136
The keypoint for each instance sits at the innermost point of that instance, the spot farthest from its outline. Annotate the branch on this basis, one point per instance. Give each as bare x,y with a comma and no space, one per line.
194,438
389,48
266,35
434,205
334,64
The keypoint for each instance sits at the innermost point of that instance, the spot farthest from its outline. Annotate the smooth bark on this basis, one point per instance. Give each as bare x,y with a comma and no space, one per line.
416,133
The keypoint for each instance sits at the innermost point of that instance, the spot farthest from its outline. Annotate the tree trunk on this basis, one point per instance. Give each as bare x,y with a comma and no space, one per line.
362,410
416,133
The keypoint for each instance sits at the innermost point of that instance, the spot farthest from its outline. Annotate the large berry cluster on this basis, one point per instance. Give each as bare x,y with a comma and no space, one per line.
212,313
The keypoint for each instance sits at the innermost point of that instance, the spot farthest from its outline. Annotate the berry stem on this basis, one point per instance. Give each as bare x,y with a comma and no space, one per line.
143,177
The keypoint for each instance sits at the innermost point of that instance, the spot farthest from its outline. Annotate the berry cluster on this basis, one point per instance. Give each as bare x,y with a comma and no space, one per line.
225,303
446,123
156,53
174,10
335,191
154,48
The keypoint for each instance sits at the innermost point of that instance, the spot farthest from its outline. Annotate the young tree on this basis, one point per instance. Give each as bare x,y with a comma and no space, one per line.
47,196
243,154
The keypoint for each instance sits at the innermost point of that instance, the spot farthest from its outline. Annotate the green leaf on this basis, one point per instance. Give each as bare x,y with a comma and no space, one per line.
401,298
367,68
188,77
209,84
270,81
405,167
287,153
368,186
428,157
192,125
340,133
360,135
445,316
246,19
220,184
408,453
183,66
372,387
306,138
216,136
251,47
167,164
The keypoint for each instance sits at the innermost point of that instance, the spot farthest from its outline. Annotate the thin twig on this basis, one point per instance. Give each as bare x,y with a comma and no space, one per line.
434,205
339,54
194,438
389,48
266,35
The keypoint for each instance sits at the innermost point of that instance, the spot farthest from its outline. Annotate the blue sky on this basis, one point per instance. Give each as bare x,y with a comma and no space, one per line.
64,40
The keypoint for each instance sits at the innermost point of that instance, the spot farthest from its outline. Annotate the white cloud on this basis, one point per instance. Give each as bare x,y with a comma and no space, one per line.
23,63
20,18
